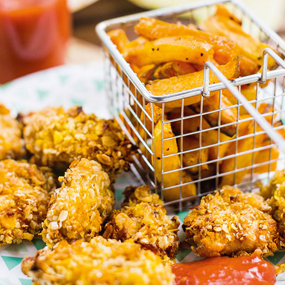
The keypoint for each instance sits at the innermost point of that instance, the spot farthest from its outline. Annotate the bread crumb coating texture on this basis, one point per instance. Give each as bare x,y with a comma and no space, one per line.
54,135
24,196
143,219
11,143
102,262
230,222
79,207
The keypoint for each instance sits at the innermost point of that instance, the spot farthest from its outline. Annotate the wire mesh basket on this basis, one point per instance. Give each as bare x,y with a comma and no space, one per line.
171,135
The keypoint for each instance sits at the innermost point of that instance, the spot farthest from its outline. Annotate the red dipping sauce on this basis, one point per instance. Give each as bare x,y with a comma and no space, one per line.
33,36
245,270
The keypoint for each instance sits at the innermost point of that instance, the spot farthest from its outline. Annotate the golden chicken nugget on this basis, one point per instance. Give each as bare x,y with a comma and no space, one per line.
143,220
11,143
106,262
54,135
82,203
230,222
24,196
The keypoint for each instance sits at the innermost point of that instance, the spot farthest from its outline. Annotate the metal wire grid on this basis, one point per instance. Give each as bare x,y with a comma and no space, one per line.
128,100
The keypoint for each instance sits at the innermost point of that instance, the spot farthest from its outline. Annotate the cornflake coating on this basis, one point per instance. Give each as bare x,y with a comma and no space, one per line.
275,193
11,144
143,220
55,135
102,262
78,209
24,198
232,223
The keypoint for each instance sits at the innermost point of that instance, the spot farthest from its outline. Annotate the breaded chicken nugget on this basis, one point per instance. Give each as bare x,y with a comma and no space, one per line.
78,209
102,262
275,193
24,198
143,219
232,223
11,144
55,135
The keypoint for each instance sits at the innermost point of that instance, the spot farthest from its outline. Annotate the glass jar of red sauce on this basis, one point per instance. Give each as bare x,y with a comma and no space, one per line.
33,36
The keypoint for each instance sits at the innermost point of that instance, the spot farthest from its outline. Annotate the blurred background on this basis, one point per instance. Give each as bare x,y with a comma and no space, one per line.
34,34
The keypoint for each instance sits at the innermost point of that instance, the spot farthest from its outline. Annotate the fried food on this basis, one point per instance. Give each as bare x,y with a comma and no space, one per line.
249,46
11,143
119,39
190,81
82,203
224,49
226,116
231,223
54,135
165,70
104,262
170,163
196,156
143,220
244,159
24,196
184,48
222,10
275,193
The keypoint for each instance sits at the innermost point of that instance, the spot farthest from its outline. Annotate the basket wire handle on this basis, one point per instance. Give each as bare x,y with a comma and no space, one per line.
275,136
266,54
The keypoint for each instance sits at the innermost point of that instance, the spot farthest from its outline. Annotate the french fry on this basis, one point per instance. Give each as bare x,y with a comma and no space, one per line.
221,10
187,49
155,111
268,154
194,157
250,47
227,116
138,41
191,125
119,38
263,156
223,148
165,70
191,80
248,66
243,145
225,50
250,94
170,163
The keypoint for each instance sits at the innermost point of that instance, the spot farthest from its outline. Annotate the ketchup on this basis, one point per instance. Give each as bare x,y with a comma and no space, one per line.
245,270
33,36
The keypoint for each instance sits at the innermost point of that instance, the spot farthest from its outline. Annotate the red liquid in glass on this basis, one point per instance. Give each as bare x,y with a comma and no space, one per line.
33,36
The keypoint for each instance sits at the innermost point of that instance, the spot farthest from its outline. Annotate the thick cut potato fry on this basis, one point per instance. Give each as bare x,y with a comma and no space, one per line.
165,70
191,125
246,144
154,112
221,10
194,157
119,38
138,41
249,46
152,29
189,81
248,66
170,163
187,49
250,94
227,115
264,156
